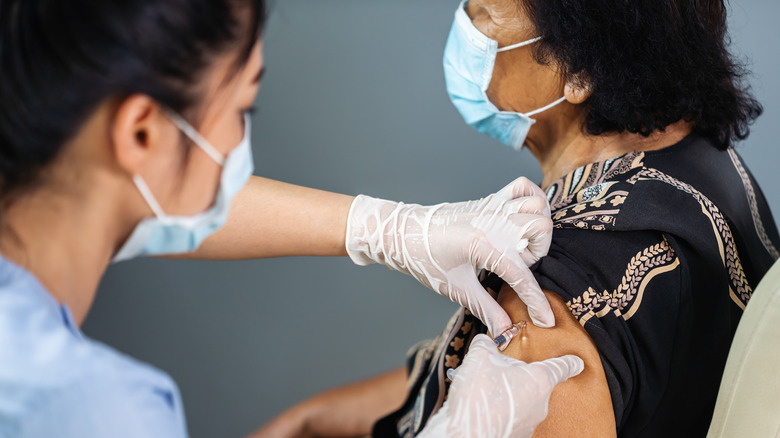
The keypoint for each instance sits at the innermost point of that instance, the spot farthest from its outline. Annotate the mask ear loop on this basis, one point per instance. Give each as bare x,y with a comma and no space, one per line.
195,136
518,45
545,108
149,197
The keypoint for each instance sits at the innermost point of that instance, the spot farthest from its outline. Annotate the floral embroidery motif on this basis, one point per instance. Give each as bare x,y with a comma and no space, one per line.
617,200
452,361
596,215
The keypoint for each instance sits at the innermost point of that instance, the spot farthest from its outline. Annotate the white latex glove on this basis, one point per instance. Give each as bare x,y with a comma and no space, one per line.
443,246
493,395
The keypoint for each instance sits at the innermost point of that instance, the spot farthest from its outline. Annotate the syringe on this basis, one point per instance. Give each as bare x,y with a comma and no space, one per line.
503,340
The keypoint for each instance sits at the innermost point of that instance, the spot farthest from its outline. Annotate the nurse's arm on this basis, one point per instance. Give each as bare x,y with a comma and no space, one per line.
581,406
274,219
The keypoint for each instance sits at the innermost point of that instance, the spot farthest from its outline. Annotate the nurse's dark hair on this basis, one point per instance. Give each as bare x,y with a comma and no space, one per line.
648,64
60,59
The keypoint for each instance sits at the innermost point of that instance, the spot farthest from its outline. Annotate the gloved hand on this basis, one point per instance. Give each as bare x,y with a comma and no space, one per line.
493,395
443,246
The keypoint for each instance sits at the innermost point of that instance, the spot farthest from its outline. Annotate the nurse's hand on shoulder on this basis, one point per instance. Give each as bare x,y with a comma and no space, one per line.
442,246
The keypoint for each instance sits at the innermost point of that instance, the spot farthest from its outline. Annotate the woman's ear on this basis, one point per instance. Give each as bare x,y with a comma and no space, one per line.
576,91
138,129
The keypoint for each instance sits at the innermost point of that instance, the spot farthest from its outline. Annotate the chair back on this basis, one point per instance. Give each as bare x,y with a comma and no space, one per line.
748,402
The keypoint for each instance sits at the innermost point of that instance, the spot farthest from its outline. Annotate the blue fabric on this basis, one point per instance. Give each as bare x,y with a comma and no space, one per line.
54,381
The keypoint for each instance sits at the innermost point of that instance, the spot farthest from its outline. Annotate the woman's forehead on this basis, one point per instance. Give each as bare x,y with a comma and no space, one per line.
505,21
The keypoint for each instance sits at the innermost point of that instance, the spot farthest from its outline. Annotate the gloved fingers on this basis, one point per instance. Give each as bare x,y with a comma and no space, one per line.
483,342
521,187
483,353
513,270
484,306
535,234
482,359
536,205
512,220
452,373
480,348
559,369
483,350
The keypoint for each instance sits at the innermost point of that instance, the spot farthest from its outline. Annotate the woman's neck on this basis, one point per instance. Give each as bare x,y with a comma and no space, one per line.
565,153
64,239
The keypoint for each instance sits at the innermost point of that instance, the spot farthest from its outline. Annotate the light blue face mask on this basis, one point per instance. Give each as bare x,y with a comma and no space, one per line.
469,60
166,234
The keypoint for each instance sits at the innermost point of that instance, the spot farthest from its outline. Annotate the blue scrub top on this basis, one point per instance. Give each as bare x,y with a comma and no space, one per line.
54,381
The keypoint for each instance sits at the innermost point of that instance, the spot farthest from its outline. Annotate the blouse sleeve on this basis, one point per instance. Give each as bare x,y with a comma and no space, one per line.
626,289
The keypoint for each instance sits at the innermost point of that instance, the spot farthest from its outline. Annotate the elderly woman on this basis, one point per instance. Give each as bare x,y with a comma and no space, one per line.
661,233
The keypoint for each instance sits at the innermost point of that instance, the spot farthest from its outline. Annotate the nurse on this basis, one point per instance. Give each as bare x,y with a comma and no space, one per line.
124,132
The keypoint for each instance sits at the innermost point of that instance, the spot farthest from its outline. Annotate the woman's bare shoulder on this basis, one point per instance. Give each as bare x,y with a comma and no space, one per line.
582,406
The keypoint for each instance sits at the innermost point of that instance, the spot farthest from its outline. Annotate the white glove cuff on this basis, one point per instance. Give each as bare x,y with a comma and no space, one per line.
364,230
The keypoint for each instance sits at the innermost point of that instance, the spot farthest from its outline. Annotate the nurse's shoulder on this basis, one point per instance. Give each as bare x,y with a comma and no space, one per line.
56,382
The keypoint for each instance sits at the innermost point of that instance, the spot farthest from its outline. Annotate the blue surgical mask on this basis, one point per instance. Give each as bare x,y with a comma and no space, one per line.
469,60
167,234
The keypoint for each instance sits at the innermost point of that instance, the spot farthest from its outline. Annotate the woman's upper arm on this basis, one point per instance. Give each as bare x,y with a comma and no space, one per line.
582,406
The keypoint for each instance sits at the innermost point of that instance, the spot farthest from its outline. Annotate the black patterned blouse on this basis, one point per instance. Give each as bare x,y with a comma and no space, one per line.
656,254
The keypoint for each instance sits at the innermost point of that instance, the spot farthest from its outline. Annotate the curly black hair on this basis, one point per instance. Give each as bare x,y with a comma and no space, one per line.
648,64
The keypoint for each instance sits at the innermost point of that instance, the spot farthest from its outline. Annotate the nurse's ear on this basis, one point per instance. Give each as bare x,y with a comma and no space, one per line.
576,91
140,133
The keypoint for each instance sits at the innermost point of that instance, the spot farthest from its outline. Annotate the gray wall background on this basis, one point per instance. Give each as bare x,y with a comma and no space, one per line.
353,102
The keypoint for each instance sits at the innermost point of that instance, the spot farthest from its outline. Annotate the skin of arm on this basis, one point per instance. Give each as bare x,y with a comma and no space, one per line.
274,219
582,406
347,411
